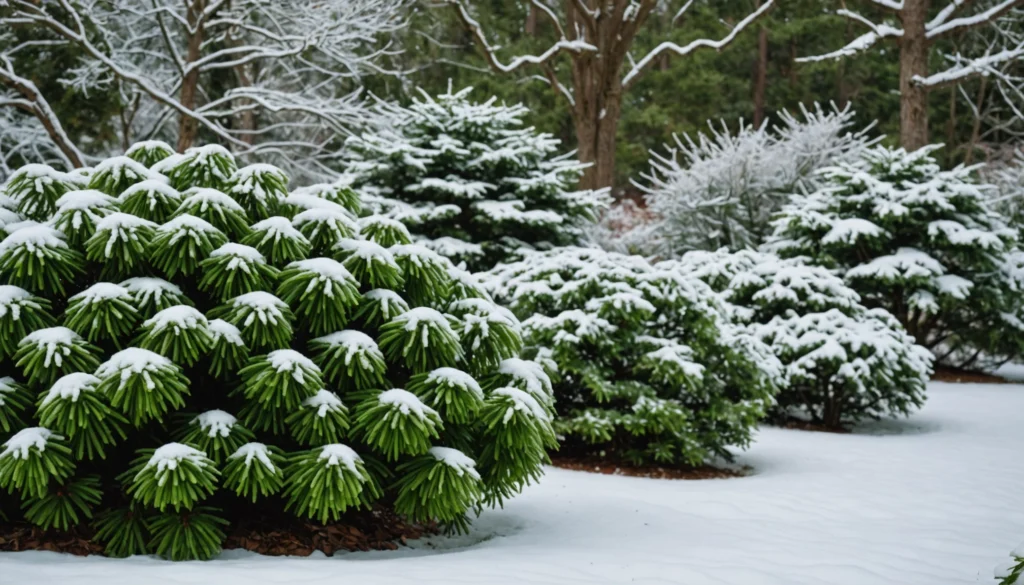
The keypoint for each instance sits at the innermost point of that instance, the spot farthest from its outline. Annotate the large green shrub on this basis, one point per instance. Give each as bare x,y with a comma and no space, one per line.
920,243
650,367
182,357
844,362
472,180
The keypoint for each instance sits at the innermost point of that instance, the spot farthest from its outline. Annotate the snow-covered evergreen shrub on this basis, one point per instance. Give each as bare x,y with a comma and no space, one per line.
843,362
650,367
921,243
471,181
167,378
722,188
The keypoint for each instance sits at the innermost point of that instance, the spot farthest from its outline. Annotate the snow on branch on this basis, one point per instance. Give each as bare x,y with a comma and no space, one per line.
34,103
669,47
879,32
967,68
945,26
286,71
563,45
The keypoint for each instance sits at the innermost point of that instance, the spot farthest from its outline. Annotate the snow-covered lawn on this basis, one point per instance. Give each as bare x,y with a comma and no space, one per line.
929,501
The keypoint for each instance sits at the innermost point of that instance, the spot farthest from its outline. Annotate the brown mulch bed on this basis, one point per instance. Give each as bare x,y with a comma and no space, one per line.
954,375
18,536
802,425
375,530
610,467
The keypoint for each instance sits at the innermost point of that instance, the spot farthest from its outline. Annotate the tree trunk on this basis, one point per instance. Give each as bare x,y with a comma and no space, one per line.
188,127
760,74
913,63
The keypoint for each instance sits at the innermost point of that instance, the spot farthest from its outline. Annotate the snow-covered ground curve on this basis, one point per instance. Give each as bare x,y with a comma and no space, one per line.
933,500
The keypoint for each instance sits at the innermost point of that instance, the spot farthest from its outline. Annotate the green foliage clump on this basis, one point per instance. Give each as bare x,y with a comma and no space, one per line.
650,366
158,330
844,362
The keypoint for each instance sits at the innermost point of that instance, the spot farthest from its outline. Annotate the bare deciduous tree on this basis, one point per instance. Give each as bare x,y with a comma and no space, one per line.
597,36
263,77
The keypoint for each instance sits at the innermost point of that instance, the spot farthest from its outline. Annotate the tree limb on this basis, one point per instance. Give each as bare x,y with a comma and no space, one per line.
668,47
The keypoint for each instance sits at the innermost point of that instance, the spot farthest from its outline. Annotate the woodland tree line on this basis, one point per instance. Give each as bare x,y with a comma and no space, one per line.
287,83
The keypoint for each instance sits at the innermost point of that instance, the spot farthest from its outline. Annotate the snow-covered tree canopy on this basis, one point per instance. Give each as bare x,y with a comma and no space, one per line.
843,362
472,180
224,343
650,367
268,78
722,188
921,243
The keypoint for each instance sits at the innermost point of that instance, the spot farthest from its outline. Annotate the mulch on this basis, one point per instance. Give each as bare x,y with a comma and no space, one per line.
803,425
955,375
375,530
606,466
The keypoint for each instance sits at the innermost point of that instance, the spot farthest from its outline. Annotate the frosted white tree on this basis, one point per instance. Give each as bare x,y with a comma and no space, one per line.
597,37
916,29
266,78
721,188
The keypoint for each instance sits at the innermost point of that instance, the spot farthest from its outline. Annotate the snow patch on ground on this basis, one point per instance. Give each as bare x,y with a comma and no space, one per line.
933,500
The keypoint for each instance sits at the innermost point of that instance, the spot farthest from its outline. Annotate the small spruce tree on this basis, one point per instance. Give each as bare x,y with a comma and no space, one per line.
472,181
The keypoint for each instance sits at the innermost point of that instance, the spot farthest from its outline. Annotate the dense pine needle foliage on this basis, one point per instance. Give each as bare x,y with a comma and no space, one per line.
189,342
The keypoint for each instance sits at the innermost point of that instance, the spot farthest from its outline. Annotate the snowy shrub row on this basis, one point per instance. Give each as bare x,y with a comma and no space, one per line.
649,364
471,181
189,342
920,243
843,362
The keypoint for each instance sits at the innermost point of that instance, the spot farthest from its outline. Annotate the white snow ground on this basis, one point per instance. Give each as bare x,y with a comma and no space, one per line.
931,501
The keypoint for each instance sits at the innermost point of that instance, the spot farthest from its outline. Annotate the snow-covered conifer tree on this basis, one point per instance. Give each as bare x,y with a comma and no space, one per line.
177,368
921,243
471,181
650,366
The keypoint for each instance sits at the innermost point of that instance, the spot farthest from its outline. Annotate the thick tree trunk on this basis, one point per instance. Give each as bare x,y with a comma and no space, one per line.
596,129
188,127
913,63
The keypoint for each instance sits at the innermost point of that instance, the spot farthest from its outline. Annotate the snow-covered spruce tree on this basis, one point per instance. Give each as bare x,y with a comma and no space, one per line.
471,181
844,362
921,243
650,367
183,357
722,188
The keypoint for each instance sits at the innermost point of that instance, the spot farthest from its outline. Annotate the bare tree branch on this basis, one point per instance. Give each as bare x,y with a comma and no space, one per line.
668,47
